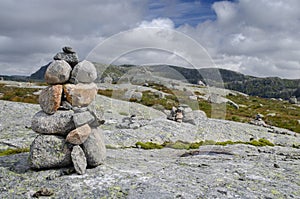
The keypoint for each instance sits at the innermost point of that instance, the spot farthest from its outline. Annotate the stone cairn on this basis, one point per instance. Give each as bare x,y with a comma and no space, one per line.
69,132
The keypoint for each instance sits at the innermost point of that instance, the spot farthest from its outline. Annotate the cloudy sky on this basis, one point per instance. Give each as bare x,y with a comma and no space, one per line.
260,37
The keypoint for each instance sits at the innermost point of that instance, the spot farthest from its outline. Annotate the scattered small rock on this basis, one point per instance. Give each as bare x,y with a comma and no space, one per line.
43,192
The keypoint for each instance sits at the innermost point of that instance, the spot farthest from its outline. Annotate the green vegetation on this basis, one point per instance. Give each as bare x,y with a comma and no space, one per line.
106,92
148,145
14,151
286,114
277,113
18,94
195,145
297,146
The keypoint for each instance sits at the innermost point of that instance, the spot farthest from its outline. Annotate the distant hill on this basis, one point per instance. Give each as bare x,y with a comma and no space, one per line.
39,74
17,78
269,87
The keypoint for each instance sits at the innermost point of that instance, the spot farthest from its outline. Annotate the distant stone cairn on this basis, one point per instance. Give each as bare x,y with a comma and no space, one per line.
69,132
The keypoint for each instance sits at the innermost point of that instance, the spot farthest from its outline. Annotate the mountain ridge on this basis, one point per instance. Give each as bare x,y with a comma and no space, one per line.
267,87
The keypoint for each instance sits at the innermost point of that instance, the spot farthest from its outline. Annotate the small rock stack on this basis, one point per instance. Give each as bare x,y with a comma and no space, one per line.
69,131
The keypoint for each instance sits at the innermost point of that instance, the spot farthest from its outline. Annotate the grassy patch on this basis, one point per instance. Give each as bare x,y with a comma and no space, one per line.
287,115
148,145
195,145
297,146
106,92
16,94
14,151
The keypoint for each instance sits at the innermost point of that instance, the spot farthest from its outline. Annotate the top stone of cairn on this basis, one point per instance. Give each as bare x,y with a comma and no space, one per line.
68,49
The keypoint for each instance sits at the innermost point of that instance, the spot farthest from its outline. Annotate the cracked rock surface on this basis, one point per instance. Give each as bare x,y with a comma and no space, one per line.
245,172
232,171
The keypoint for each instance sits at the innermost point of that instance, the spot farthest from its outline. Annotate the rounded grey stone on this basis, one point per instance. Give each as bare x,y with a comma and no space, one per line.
83,72
94,148
49,151
60,123
58,72
79,160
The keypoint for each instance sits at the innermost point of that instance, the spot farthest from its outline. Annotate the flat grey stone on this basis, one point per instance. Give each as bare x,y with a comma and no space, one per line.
68,49
60,123
58,72
83,118
49,151
84,72
79,160
94,148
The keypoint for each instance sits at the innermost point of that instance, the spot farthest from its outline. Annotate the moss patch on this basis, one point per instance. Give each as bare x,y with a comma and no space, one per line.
195,145
148,145
297,146
14,151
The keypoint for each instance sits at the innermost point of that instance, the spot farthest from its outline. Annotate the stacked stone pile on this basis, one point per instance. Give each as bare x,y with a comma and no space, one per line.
69,132
183,113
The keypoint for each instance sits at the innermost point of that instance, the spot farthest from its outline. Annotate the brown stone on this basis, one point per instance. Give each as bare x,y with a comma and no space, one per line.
80,95
79,135
50,98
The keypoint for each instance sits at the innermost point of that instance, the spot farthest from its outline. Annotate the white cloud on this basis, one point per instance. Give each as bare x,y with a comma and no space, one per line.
258,37
157,23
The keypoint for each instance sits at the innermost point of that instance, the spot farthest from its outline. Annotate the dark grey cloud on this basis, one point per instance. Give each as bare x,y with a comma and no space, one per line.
260,38
32,31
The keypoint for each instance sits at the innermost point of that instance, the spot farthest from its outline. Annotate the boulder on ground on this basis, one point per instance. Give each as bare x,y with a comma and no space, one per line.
107,80
94,148
80,95
194,117
84,72
293,100
50,98
60,123
133,95
49,151
79,160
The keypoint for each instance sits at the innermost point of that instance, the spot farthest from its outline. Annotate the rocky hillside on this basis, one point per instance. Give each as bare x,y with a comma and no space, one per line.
210,159
269,87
